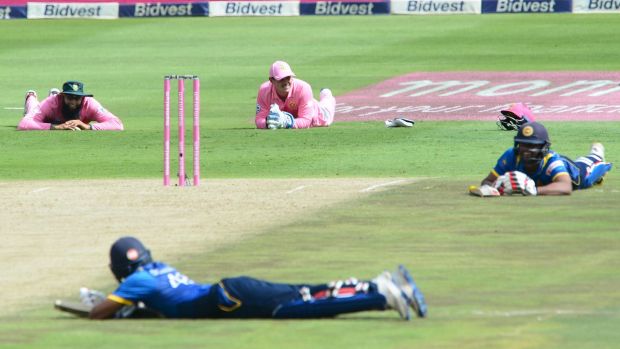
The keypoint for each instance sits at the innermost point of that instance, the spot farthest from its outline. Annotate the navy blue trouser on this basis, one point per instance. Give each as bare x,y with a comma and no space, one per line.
246,297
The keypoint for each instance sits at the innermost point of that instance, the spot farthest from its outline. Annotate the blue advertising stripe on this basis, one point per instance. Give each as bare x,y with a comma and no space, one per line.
13,12
337,8
526,6
157,9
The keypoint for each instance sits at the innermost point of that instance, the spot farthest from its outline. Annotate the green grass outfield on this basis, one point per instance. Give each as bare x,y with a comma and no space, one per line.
504,273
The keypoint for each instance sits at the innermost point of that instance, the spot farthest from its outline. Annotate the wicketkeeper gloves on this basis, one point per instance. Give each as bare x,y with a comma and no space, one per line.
279,119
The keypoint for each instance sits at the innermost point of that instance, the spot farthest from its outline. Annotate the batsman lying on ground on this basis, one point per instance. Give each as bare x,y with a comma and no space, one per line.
158,287
530,167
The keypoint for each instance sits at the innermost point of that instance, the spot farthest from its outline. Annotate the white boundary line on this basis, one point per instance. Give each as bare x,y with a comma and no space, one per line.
373,187
13,108
537,312
296,189
40,190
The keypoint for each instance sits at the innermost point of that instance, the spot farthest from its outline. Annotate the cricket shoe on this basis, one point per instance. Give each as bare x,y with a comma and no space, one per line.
599,150
53,91
325,92
28,95
394,296
415,298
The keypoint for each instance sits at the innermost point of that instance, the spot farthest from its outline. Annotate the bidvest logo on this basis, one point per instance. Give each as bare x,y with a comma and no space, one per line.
162,10
423,7
5,12
72,10
434,7
343,8
52,10
525,6
250,8
604,5
253,8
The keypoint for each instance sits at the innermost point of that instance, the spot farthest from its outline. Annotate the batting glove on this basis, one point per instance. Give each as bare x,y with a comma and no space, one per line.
516,182
91,297
524,184
279,119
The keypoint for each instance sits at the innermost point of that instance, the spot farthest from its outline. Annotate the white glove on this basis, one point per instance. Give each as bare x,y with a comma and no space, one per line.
483,191
399,122
516,182
91,297
279,119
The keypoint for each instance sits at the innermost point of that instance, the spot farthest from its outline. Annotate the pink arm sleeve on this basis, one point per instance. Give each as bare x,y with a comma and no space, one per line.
104,119
35,119
306,110
30,123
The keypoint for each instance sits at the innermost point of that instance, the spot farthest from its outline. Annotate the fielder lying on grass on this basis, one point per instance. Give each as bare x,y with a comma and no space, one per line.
160,288
69,109
531,168
287,102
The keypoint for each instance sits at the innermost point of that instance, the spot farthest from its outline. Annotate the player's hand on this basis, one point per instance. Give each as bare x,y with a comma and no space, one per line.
524,183
515,182
77,125
91,297
279,119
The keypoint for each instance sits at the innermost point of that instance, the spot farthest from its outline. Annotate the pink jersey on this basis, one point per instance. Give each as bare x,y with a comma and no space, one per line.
42,116
300,103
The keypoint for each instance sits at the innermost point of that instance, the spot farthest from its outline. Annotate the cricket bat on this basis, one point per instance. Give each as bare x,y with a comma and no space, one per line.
73,308
483,191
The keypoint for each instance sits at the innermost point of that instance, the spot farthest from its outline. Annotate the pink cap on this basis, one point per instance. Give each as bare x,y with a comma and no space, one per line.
519,110
279,70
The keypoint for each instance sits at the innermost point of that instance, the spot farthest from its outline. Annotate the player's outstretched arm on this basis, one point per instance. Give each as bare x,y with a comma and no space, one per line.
561,186
105,310
489,180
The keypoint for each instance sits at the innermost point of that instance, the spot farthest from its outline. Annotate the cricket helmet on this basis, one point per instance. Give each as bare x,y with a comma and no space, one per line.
126,255
535,135
513,117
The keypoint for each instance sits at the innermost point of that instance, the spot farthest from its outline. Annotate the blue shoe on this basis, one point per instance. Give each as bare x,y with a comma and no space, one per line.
415,298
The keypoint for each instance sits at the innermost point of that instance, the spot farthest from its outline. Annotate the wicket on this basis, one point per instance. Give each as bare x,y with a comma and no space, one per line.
183,178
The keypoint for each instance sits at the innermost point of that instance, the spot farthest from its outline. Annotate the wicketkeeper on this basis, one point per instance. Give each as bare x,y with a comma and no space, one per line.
530,167
162,289
287,102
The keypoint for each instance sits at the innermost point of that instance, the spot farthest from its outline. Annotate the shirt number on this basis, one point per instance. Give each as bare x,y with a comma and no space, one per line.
176,279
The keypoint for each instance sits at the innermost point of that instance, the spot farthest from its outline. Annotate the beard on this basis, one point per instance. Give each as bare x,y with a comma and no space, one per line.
69,114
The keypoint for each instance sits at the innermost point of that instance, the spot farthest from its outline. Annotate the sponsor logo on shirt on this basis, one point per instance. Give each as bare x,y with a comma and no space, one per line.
553,166
292,104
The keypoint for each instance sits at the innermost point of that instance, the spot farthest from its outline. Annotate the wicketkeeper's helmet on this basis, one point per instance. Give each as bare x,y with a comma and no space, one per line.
126,255
533,133
515,116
